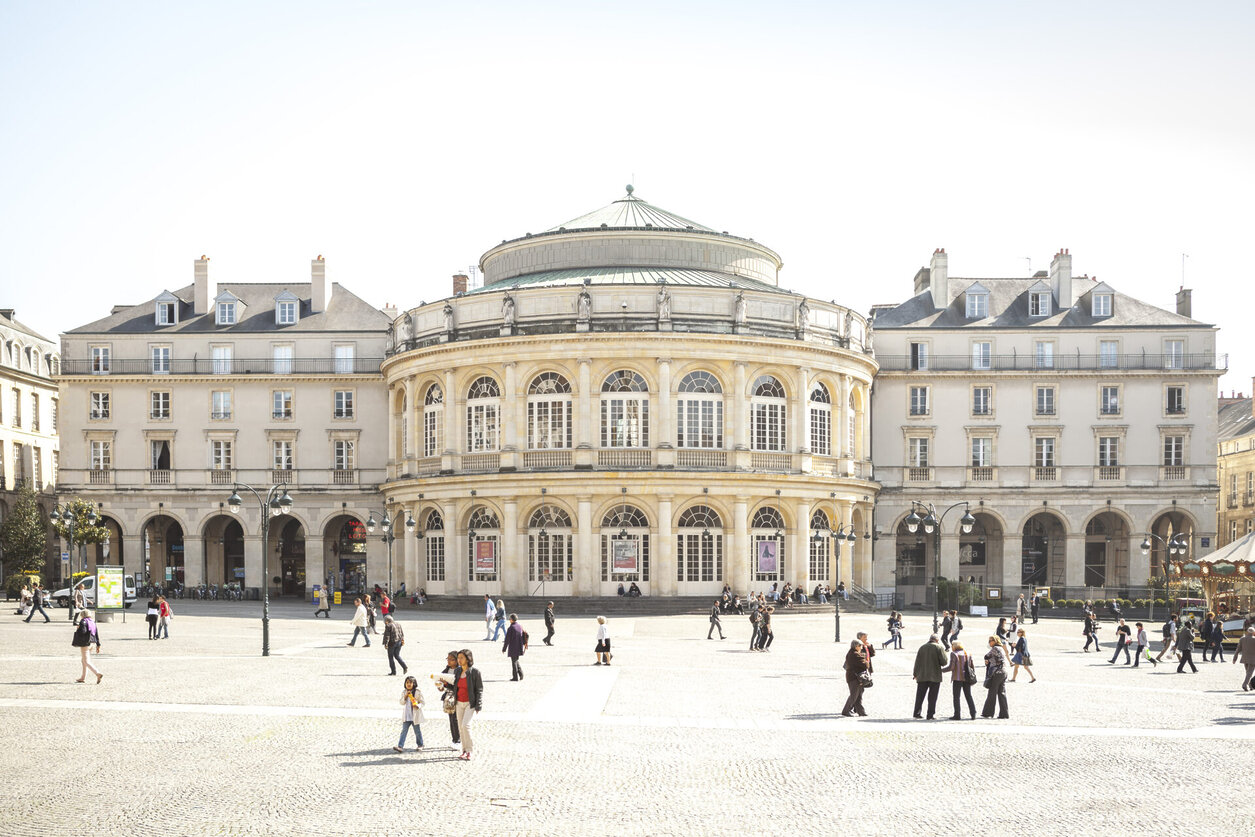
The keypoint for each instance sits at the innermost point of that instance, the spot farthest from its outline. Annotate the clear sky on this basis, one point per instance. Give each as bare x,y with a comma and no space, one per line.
403,139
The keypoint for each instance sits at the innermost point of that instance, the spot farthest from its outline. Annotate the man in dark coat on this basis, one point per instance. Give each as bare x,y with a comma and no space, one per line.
515,646
929,661
549,624
714,622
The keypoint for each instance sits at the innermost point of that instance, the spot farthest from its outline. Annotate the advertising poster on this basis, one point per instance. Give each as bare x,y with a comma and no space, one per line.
109,588
624,555
485,556
768,551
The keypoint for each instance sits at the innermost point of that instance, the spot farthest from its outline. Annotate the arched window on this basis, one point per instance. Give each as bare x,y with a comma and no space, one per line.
852,425
624,411
820,547
550,554
821,421
483,539
625,545
403,419
767,542
768,412
483,410
699,412
433,409
433,540
699,545
549,412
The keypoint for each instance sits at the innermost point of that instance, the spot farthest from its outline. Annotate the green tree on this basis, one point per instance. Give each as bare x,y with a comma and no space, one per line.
24,536
79,509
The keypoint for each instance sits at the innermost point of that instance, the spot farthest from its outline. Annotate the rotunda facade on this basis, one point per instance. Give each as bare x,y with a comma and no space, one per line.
630,398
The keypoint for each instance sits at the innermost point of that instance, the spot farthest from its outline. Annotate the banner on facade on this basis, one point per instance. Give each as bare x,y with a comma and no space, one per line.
110,592
485,557
624,555
768,554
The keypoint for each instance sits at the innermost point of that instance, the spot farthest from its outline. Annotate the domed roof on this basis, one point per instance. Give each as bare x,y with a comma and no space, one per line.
630,212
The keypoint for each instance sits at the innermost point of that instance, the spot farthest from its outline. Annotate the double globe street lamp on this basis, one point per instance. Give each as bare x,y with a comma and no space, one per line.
276,502
389,536
838,535
1178,544
932,526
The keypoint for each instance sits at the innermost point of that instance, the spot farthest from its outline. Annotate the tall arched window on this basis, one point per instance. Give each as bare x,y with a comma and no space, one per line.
433,543
821,421
819,547
483,411
483,541
550,556
548,412
767,543
433,409
699,412
625,545
768,412
403,418
852,424
699,545
624,411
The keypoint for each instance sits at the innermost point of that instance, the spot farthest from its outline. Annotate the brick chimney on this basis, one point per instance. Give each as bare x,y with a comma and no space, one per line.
201,290
317,286
939,278
459,283
1061,279
1184,306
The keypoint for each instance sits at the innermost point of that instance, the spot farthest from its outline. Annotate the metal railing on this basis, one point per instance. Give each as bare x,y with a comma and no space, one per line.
1027,362
234,366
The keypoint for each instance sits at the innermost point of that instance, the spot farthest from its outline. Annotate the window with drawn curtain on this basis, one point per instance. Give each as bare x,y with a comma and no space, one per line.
768,411
767,562
820,547
699,412
550,555
699,545
624,411
548,412
433,409
433,543
821,420
483,408
625,521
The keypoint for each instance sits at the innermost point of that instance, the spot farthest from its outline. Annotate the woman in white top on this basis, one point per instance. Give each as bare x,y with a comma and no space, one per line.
603,643
360,621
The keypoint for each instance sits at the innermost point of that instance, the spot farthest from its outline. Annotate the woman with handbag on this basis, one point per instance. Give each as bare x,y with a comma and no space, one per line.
449,695
857,679
962,670
469,688
86,635
1023,658
995,680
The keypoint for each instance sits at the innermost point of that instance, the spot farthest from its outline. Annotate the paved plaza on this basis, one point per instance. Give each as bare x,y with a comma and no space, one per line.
199,734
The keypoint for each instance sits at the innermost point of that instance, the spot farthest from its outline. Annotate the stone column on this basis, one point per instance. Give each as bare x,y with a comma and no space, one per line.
1139,564
663,582
413,421
132,557
415,572
1074,562
665,424
586,574
950,550
584,417
508,416
193,561
740,459
454,551
252,561
841,445
512,581
452,444
803,422
738,557
864,452
802,545
1012,565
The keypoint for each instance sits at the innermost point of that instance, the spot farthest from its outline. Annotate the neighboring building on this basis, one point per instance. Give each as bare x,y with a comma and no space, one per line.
169,403
28,416
630,397
1071,416
1235,466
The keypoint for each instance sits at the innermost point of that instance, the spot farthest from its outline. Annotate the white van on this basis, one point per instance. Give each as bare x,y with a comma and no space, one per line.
65,595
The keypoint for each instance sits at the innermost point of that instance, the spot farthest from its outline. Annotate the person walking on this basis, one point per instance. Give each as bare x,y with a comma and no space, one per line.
869,651
1143,647
929,661
956,625
995,680
515,646
765,632
393,639
1123,633
490,616
895,631
1169,635
714,622
469,688
86,635
38,599
857,676
1023,658
602,649
1034,606
1215,643
962,670
152,614
79,604
1091,632
324,603
411,708
164,614
359,622
756,624
370,614
499,615
449,695
1246,653
549,620
1020,609
1204,634
946,625
1185,648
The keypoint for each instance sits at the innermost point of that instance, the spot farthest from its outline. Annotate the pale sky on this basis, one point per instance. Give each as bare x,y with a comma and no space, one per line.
403,139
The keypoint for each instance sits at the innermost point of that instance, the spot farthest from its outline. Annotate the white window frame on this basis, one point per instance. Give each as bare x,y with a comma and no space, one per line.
222,358
981,452
167,313
1101,305
1167,400
699,411
919,452
918,401
1051,393
1044,354
988,390
281,404
1174,353
344,405
281,355
918,355
1108,359
285,312
821,421
101,359
769,416
977,306
433,419
101,454
1039,304
549,412
282,455
1045,451
483,415
225,313
1110,400
982,355
221,454
99,405
344,358
221,405
1108,451
160,358
159,405
625,412
1173,450
344,454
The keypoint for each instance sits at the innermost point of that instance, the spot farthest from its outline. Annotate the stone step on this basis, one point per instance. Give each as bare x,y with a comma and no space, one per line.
534,606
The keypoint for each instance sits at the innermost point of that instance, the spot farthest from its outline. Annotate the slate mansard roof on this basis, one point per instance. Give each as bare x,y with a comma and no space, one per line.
1235,420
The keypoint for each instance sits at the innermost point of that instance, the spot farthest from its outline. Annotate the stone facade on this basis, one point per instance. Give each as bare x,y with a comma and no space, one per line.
1235,463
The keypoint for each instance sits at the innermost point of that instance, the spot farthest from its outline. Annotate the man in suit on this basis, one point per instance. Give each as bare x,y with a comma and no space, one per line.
549,624
1034,605
930,659
1246,650
1185,647
946,624
714,622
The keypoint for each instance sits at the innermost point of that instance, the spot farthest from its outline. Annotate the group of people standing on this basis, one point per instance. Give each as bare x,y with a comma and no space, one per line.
159,614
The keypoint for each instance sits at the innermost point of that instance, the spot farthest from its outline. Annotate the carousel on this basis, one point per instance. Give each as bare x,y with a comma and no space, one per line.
1224,576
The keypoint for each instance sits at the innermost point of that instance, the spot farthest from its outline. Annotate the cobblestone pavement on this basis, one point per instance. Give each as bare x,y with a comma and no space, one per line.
199,734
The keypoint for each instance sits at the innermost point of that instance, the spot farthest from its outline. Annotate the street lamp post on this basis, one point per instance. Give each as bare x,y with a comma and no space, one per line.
838,535
67,517
932,526
276,502
389,536
1178,544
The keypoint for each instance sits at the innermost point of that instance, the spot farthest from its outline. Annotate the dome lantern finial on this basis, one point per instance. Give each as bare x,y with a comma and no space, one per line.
630,189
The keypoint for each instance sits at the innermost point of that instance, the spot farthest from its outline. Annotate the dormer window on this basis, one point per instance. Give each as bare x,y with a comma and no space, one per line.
1102,305
1039,304
227,307
226,313
167,312
977,302
287,308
